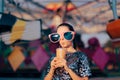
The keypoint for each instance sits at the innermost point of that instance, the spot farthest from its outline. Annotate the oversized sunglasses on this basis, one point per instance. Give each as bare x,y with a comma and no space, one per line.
55,37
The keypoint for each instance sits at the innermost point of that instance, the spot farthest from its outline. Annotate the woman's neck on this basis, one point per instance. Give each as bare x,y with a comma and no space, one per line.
70,49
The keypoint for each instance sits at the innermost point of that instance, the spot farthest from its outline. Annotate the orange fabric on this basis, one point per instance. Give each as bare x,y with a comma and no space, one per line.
55,6
16,58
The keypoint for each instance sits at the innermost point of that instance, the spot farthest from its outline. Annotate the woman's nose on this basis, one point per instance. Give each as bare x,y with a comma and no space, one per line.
62,37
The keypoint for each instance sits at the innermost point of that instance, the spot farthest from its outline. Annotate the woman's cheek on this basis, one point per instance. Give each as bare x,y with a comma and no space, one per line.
63,44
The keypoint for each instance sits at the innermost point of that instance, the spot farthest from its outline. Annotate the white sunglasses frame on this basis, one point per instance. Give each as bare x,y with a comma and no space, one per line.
59,38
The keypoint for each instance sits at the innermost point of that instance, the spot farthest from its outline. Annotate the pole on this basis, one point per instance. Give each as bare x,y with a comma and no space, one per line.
1,6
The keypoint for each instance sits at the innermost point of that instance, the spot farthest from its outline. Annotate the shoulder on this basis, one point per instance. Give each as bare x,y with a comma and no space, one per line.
81,54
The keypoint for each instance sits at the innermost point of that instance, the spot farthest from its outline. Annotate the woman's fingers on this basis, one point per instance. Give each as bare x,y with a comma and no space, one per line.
58,62
53,62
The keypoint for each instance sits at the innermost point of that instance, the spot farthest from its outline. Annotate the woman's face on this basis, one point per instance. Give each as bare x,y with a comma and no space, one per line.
63,42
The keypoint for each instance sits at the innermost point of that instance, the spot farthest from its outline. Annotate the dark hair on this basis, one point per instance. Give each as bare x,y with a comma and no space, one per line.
70,27
78,41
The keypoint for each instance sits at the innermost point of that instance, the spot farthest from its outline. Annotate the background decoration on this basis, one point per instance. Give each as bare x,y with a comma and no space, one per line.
16,58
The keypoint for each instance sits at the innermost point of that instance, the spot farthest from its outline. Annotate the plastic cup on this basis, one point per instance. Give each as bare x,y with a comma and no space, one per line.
60,53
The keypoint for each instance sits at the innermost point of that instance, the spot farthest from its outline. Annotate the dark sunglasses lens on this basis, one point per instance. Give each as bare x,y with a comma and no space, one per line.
68,35
55,37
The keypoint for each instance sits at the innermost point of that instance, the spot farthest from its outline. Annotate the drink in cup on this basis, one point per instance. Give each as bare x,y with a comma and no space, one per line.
60,52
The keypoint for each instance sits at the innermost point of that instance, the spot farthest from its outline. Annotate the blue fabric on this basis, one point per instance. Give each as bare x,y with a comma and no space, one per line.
77,62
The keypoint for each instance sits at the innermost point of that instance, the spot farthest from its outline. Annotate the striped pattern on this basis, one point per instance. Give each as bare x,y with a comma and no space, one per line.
24,30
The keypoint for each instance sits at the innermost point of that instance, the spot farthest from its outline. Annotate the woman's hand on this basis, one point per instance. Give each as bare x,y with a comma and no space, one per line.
58,62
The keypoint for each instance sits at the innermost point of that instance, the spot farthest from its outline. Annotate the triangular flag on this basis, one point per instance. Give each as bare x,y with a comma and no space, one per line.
40,58
16,58
17,30
6,22
32,31
23,30
15,34
100,58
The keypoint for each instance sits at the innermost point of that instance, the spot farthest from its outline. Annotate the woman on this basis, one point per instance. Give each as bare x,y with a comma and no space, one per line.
75,66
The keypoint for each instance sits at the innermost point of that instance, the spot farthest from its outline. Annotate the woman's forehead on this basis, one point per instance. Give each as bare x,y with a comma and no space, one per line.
62,29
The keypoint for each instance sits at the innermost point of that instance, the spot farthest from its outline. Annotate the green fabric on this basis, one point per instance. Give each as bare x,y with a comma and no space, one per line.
7,52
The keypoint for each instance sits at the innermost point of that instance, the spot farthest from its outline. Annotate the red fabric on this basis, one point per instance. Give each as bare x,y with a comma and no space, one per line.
34,44
100,58
112,57
88,52
40,58
53,47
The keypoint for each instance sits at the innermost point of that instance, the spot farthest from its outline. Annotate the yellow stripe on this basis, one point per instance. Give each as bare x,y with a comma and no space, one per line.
17,30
